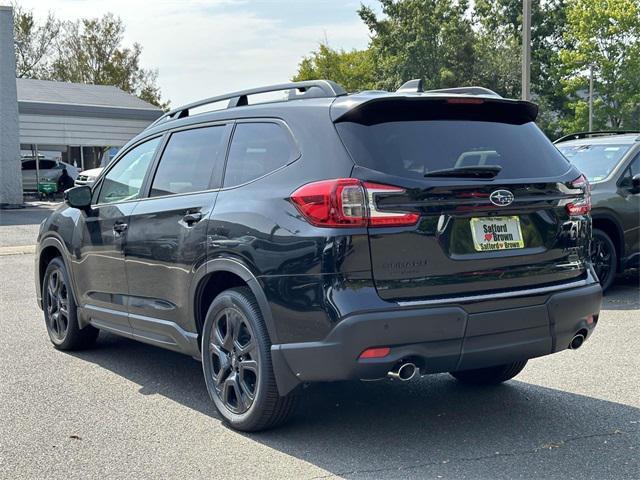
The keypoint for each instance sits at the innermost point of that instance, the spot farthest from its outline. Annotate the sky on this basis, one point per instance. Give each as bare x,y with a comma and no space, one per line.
203,48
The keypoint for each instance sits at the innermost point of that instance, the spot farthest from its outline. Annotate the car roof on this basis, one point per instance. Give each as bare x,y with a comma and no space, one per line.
619,139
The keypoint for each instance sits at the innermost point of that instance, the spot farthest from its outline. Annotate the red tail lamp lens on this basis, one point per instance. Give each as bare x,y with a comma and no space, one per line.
347,202
582,206
378,352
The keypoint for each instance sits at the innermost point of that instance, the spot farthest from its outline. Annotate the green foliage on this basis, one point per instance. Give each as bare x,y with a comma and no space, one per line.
34,43
606,35
428,39
354,70
456,43
84,51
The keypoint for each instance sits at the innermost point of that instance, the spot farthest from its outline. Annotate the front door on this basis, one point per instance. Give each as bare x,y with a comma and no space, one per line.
101,282
167,241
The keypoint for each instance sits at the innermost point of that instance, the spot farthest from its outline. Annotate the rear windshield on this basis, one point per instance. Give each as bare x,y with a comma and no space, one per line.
595,161
413,148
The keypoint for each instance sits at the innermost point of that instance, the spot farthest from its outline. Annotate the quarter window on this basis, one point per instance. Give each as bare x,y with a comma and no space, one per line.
188,161
256,149
124,181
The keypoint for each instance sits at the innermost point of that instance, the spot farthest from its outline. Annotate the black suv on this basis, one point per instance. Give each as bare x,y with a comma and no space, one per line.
327,236
611,163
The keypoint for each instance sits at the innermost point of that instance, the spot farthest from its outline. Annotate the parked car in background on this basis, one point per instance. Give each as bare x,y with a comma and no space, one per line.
329,237
611,162
50,171
88,177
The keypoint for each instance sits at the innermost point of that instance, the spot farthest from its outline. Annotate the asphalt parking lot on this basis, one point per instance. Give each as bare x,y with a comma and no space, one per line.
126,409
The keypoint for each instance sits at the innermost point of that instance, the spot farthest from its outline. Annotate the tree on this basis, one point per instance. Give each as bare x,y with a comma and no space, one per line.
91,51
34,43
354,69
605,35
428,39
84,51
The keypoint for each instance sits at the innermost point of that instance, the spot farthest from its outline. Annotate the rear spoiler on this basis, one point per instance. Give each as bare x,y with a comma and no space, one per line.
372,110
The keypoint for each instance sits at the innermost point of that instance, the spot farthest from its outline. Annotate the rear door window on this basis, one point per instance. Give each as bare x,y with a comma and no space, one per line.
257,149
188,161
414,148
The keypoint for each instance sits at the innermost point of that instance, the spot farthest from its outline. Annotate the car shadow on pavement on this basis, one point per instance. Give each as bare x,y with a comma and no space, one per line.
624,294
427,428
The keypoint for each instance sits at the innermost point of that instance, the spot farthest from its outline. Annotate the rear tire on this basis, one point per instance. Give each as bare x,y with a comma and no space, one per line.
236,360
60,312
604,258
490,375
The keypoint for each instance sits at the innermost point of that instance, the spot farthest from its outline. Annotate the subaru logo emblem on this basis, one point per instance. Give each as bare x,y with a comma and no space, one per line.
501,198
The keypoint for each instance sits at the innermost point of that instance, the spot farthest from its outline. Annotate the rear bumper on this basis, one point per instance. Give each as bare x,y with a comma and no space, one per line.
440,339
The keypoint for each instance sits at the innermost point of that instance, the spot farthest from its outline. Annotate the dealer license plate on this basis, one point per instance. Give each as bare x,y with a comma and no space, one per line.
496,233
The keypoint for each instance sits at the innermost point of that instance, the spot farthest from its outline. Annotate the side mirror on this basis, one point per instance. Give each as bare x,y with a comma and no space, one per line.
78,197
635,183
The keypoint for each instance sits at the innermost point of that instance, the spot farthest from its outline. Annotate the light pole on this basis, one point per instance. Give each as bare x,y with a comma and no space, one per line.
591,97
526,49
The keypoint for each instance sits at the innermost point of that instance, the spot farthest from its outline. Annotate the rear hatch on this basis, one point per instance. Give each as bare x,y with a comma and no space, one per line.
499,208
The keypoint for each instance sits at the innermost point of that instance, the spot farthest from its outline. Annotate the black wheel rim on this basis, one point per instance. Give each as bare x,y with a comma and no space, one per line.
57,305
235,366
601,258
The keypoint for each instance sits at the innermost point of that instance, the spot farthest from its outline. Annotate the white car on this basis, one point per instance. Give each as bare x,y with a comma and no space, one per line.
88,177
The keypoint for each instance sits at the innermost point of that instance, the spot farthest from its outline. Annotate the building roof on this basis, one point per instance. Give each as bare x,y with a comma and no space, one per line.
78,99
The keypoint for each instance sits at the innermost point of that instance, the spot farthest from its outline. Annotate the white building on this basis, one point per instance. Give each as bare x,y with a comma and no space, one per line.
77,123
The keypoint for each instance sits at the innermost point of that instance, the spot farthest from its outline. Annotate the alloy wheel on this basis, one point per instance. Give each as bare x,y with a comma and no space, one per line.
234,360
57,303
601,258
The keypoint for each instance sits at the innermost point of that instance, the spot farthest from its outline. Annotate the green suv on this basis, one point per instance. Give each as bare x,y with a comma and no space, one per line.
611,162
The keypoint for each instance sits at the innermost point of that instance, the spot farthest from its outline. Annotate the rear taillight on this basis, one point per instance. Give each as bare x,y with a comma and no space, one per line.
347,202
583,205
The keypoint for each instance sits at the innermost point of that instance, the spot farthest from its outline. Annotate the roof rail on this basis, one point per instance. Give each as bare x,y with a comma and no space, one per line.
596,133
327,89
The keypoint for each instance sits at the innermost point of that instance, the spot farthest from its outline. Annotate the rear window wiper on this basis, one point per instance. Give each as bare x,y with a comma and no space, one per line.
479,171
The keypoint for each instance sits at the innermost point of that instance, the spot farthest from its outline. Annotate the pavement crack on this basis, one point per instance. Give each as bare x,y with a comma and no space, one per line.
546,446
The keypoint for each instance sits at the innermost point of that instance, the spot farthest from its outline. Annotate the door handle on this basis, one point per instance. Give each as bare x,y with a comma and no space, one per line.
120,227
191,218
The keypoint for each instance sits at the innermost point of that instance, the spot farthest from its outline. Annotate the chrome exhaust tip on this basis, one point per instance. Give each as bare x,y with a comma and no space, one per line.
577,341
404,372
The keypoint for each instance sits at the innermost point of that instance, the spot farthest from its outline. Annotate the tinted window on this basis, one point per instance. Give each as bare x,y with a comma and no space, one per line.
256,149
413,148
124,180
595,161
188,160
47,164
631,171
29,165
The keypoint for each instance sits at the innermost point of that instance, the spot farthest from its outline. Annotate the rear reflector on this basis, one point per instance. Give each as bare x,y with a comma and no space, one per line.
348,202
379,352
582,206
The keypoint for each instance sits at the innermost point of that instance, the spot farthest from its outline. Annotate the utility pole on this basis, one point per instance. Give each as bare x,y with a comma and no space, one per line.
526,49
591,97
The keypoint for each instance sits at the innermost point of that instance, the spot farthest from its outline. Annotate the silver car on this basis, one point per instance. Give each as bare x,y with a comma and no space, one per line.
50,171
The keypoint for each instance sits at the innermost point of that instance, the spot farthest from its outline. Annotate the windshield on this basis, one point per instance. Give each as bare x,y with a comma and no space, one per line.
415,148
595,161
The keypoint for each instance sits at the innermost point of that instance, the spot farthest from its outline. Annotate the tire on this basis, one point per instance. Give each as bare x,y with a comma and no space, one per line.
60,312
604,258
236,361
490,375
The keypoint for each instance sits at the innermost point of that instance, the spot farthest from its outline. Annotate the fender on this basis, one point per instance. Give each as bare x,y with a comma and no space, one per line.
606,214
52,241
239,268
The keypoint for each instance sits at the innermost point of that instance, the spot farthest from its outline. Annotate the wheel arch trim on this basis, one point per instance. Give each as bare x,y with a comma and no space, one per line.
611,217
239,268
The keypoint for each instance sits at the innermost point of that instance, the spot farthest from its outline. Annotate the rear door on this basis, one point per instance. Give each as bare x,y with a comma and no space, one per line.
474,234
167,231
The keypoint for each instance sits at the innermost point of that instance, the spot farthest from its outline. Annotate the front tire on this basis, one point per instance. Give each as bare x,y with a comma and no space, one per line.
236,360
490,375
60,314
604,258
